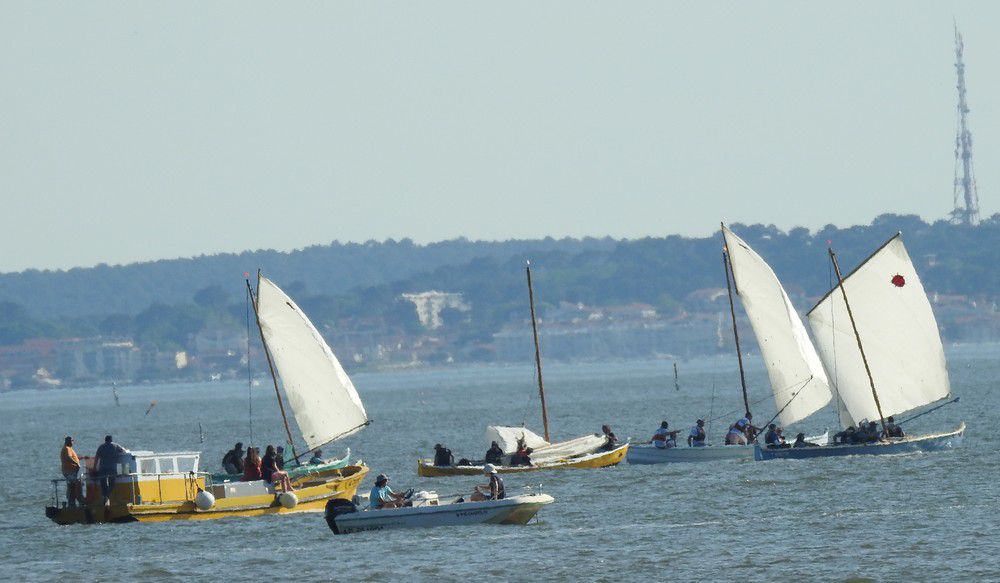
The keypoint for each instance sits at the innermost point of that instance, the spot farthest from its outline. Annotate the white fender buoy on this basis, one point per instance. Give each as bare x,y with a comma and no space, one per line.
288,500
204,500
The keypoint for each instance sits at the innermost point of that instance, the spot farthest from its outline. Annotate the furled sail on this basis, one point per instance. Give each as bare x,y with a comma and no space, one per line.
322,396
897,329
796,372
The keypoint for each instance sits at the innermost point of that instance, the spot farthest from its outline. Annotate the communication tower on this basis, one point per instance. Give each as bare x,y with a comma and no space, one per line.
965,194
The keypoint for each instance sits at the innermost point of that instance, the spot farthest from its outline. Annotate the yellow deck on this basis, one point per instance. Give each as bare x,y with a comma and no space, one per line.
427,469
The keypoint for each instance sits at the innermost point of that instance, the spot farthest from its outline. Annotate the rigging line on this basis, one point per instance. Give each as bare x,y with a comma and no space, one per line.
955,400
795,394
331,440
249,368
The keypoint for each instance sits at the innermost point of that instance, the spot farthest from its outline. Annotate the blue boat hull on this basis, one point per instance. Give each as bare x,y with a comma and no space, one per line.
918,443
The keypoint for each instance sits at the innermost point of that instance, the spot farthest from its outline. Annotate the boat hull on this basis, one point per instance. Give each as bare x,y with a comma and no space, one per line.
514,510
933,442
601,459
312,494
648,454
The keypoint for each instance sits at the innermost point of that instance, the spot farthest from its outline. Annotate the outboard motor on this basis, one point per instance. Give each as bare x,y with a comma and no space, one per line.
336,507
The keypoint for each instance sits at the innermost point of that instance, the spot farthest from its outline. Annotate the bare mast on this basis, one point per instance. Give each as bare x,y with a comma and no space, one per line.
538,353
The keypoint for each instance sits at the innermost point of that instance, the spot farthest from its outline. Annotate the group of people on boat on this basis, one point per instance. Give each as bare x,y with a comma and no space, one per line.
741,432
868,432
104,470
270,467
521,457
381,495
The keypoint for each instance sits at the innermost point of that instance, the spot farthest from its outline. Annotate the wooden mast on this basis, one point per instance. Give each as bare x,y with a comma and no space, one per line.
857,336
538,353
270,364
736,333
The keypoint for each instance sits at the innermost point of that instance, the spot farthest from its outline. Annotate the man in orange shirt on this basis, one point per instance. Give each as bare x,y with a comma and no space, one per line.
71,471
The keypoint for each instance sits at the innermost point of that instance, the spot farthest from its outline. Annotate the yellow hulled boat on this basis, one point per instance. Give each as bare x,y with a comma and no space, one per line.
170,486
154,487
597,459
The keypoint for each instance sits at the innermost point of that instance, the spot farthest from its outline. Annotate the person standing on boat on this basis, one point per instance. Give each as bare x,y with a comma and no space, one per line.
382,495
443,456
697,436
664,438
611,440
232,462
70,463
107,466
496,489
494,455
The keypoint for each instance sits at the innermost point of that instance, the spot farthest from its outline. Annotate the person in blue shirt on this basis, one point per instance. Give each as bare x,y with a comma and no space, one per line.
107,466
382,495
697,436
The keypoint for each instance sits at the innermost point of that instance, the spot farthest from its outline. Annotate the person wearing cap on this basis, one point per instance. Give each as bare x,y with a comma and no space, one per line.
382,495
664,437
495,487
697,436
443,456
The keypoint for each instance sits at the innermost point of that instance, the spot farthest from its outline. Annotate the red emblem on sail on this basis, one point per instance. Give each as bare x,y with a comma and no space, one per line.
898,280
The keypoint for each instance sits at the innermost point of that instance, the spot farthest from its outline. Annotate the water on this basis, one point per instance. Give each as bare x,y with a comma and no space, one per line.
922,516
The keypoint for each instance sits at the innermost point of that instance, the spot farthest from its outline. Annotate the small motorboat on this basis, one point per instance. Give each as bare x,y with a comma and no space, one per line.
345,516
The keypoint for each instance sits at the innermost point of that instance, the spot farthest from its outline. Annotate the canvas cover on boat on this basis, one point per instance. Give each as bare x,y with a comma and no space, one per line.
506,438
798,381
897,329
321,395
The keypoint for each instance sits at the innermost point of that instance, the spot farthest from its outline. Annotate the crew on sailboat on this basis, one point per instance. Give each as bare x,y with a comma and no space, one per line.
611,440
232,462
494,455
747,427
800,441
773,438
443,456
735,436
521,457
891,429
697,436
665,438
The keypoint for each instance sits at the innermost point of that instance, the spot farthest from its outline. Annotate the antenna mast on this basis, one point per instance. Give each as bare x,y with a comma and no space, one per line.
966,197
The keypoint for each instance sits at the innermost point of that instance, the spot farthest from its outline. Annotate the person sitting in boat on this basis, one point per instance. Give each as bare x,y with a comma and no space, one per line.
271,472
521,457
800,441
774,438
610,439
891,429
70,465
494,455
664,437
697,436
232,462
735,436
443,456
317,458
382,495
872,435
107,466
747,427
279,457
251,465
492,491
844,437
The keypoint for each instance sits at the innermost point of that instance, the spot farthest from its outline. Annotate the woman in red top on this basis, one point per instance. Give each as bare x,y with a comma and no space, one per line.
251,465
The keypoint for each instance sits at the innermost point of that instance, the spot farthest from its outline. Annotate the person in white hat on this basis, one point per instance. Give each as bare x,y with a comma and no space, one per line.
492,491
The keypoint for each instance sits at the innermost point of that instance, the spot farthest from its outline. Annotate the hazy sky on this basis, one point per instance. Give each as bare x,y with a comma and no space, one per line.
139,130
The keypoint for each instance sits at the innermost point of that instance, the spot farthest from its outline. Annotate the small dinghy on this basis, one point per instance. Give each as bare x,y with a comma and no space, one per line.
344,516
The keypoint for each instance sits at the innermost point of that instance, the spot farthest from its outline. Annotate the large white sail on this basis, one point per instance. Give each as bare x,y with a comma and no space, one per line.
897,329
796,372
321,395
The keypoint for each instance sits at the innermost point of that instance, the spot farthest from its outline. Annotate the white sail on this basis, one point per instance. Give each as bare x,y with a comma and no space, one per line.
796,372
897,329
321,395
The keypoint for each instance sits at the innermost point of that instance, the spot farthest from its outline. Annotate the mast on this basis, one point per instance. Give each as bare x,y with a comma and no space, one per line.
864,359
677,384
538,353
270,365
736,334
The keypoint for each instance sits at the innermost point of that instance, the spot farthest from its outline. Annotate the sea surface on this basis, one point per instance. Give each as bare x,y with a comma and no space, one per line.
921,517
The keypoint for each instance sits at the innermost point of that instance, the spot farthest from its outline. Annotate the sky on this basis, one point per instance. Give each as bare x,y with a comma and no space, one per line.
133,131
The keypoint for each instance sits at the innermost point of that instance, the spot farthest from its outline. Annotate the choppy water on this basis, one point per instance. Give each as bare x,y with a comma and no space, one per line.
916,517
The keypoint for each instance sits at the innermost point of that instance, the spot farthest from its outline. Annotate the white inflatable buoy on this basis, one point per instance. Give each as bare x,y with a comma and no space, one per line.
204,500
288,500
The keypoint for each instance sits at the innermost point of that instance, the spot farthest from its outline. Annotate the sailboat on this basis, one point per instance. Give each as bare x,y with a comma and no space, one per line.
151,486
798,381
583,452
879,339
